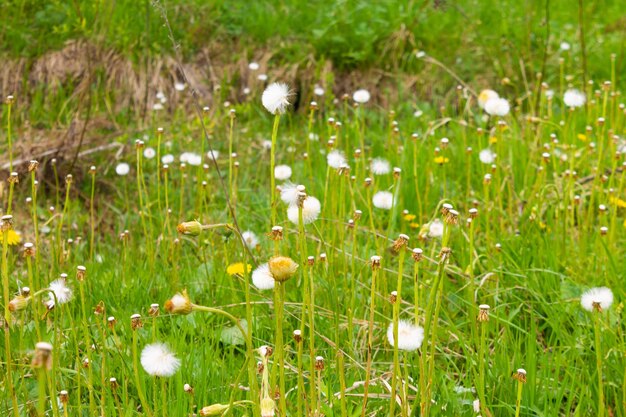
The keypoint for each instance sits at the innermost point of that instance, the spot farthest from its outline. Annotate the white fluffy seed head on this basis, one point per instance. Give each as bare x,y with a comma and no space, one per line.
485,96
487,156
276,98
289,193
149,153
410,336
435,228
497,107
122,169
361,96
262,278
282,172
335,159
158,360
601,296
383,200
61,292
250,238
311,208
380,166
574,98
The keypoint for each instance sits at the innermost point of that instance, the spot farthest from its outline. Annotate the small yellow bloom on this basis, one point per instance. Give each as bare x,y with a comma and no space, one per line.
13,237
282,268
237,269
414,225
409,217
493,139
582,136
441,160
618,202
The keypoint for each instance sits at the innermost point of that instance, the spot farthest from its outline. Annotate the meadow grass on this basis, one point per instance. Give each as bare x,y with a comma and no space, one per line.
449,270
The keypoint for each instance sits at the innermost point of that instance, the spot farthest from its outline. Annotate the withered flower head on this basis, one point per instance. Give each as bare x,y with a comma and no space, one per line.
192,228
282,268
179,303
483,313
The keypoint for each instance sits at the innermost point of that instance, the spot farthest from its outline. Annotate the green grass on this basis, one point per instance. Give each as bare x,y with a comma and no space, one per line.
530,253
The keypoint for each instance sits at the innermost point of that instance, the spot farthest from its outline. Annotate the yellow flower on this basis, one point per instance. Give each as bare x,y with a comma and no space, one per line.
618,202
237,269
409,217
582,136
493,139
282,268
414,225
13,238
441,160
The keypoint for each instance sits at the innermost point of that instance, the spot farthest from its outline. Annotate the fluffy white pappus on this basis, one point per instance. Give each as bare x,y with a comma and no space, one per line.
252,241
149,153
410,336
158,360
565,46
61,293
157,106
262,278
311,208
601,296
487,156
435,228
361,96
318,91
289,193
214,155
336,159
485,96
380,166
383,200
167,159
254,66
191,158
282,172
178,86
497,107
574,98
122,169
276,98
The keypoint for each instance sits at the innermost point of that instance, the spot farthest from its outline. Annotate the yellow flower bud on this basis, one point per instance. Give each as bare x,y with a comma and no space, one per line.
193,228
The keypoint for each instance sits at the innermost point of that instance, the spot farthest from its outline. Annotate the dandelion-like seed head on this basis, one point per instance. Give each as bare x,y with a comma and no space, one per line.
336,159
380,166
597,299
311,208
383,200
158,360
410,336
250,239
485,96
361,96
282,172
179,303
574,98
61,293
497,107
122,169
275,98
262,278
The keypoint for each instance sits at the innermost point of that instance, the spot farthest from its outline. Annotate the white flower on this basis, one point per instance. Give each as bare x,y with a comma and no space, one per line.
311,208
61,293
497,107
149,153
262,278
253,66
380,166
485,96
335,159
361,96
565,46
213,154
276,97
574,98
487,156
383,200
600,296
158,360
410,336
178,86
289,193
435,228
122,169
167,159
282,172
318,91
250,238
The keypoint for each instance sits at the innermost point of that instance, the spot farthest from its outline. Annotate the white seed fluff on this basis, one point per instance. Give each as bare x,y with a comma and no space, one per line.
61,292
574,98
600,295
383,200
361,96
336,159
167,159
435,228
262,278
497,107
252,241
158,360
276,98
410,336
485,96
282,172
149,153
289,193
380,166
311,208
487,156
122,169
